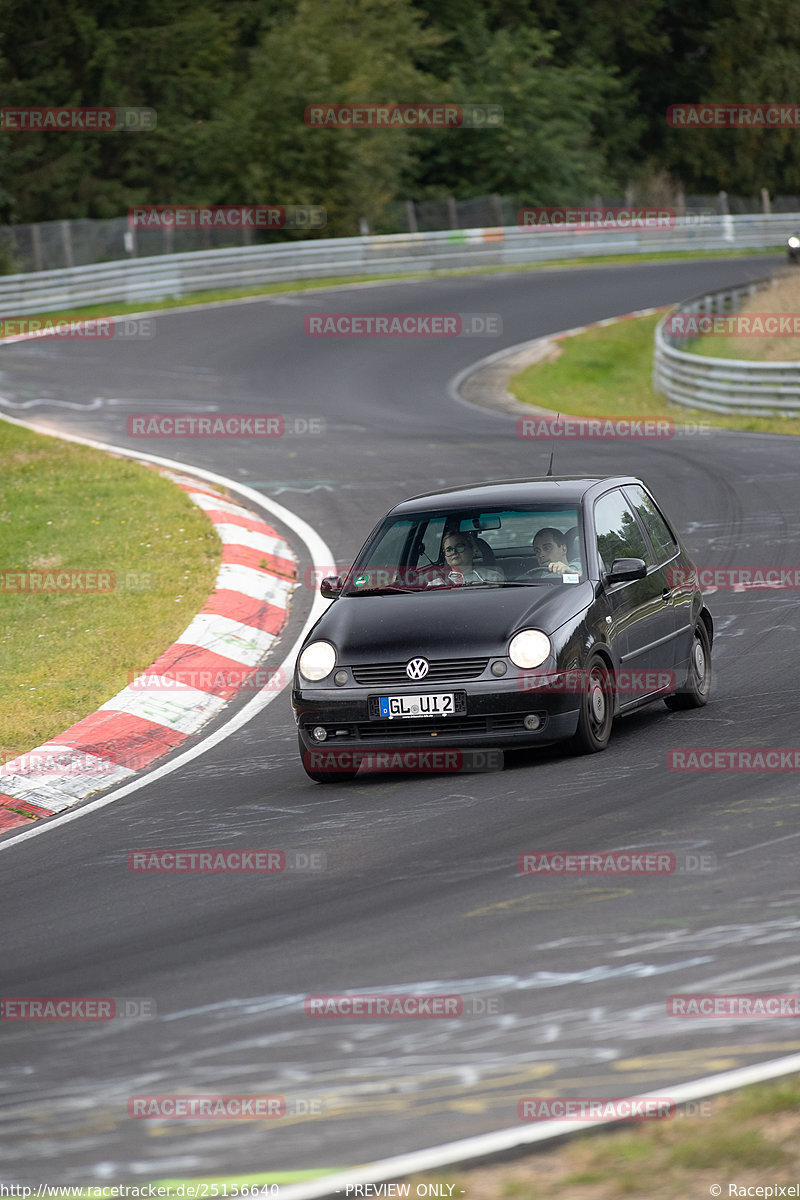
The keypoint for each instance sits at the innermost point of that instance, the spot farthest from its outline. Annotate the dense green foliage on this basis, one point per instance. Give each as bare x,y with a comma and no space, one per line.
584,85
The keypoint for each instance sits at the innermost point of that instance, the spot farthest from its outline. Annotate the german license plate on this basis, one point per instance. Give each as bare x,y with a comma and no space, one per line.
442,705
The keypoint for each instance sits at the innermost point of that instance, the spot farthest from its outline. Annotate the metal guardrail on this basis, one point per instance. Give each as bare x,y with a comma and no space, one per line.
170,276
723,385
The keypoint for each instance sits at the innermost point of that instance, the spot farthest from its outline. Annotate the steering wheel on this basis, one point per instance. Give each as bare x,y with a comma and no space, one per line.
438,573
538,573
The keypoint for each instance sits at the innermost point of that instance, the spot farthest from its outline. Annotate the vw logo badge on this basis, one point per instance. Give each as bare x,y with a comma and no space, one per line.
416,668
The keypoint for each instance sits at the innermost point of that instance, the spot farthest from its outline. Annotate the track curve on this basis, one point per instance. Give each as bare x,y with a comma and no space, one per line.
420,891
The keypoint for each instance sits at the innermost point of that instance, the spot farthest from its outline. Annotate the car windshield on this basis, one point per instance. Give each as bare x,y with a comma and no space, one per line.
525,546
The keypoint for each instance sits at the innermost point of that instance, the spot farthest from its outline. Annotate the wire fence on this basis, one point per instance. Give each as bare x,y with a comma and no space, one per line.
52,245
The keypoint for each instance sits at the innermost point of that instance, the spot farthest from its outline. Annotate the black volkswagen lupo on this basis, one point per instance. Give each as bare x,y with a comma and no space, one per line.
511,613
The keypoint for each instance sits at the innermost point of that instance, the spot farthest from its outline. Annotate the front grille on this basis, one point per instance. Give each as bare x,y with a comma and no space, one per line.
389,731
439,670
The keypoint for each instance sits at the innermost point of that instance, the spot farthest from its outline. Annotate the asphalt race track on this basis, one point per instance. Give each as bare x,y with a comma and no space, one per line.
420,892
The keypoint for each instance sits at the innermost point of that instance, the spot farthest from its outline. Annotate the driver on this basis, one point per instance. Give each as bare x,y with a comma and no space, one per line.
550,548
459,550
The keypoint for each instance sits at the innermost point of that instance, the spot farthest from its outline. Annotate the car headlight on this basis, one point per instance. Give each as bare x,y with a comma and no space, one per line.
794,242
529,648
317,661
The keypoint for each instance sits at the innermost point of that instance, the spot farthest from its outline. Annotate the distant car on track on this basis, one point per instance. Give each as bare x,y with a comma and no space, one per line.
793,248
513,646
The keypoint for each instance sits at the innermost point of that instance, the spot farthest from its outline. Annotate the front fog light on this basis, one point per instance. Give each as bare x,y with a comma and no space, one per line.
317,661
340,678
319,733
498,668
532,721
529,648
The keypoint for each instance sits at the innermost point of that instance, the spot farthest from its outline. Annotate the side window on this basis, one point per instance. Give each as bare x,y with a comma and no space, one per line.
618,534
663,542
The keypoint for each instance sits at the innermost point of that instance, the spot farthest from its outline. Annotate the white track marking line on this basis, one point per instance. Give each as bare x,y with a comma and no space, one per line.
321,556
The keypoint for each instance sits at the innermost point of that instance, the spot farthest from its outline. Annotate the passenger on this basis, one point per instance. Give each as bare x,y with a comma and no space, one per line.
459,550
550,548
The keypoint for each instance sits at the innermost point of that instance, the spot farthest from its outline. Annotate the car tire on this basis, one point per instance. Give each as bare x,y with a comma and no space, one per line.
323,776
696,690
596,711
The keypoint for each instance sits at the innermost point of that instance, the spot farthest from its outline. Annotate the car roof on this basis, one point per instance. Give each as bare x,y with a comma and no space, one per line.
561,489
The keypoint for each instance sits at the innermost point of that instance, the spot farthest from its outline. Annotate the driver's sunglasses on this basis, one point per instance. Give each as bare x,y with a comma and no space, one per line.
459,548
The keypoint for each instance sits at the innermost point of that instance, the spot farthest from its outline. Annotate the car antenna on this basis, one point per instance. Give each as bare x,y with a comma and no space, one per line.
552,452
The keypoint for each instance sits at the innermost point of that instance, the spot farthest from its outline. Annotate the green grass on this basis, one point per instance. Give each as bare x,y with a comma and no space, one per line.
606,372
71,507
751,1136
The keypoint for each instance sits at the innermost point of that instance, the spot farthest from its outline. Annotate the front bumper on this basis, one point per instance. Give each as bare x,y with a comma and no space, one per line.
495,711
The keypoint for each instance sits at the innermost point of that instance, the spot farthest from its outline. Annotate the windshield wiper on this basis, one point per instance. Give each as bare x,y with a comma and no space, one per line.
379,591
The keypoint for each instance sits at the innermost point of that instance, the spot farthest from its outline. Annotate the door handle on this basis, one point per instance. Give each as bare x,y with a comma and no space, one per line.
666,595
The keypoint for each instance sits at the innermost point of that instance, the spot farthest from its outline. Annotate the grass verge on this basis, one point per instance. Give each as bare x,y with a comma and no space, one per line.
606,372
71,508
301,285
749,1138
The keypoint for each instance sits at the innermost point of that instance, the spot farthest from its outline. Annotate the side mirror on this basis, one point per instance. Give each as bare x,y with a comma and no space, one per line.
331,587
623,570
